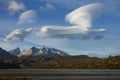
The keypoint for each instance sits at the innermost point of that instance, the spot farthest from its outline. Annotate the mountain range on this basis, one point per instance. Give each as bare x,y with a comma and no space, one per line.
44,51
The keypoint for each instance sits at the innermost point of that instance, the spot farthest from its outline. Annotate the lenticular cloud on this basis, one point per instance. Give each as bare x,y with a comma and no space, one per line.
83,16
81,19
18,34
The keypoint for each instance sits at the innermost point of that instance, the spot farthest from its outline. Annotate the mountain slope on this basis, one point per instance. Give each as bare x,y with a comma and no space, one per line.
7,60
4,54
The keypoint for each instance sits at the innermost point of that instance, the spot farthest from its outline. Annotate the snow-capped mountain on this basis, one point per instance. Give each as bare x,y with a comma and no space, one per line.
43,52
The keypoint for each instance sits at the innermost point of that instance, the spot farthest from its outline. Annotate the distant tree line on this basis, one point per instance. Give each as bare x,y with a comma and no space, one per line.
61,62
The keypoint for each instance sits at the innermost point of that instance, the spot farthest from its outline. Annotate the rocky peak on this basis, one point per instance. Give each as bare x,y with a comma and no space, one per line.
33,48
15,51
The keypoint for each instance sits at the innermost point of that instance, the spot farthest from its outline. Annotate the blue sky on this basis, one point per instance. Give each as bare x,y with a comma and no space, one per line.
41,13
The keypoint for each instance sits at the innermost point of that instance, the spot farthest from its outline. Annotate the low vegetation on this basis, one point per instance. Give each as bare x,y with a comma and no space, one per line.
61,62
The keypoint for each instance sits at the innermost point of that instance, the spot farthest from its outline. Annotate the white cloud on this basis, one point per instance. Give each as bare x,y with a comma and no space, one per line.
27,17
81,18
48,6
18,34
14,6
